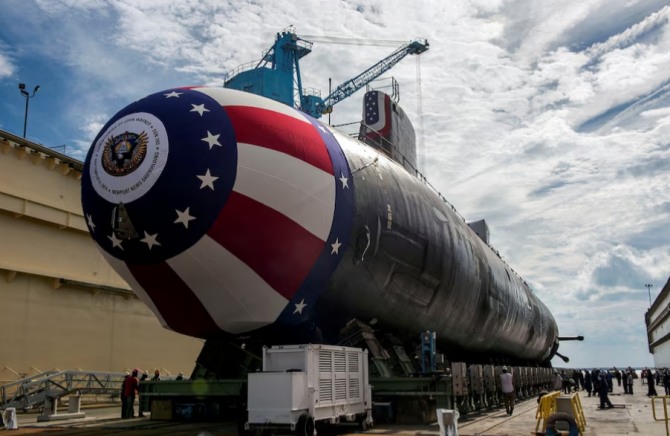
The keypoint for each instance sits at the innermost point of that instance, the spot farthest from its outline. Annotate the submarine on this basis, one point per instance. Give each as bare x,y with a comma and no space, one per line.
233,215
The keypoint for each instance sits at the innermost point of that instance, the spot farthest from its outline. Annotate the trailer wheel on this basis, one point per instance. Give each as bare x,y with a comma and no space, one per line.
573,429
305,425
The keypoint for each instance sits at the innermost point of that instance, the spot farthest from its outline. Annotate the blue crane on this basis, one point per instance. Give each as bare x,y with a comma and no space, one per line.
277,74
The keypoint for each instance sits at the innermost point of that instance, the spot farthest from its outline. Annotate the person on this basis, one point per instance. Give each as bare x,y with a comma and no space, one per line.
180,376
624,379
131,388
594,380
651,385
507,389
123,395
603,389
157,376
666,381
567,383
608,378
587,382
145,376
558,381
617,375
630,382
575,379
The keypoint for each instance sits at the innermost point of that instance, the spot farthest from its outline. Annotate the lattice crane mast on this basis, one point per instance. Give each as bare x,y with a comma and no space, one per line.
316,106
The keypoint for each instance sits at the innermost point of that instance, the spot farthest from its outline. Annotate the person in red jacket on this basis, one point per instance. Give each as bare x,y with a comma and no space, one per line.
131,388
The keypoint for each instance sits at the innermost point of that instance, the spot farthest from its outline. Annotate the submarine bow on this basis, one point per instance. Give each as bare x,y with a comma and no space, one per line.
228,213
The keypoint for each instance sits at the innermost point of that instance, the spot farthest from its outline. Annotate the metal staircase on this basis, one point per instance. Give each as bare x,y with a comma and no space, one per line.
31,392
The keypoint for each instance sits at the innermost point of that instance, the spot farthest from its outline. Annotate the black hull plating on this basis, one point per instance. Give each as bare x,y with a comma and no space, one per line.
415,265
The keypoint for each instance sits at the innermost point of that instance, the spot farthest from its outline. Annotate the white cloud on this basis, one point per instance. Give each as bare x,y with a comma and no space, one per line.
549,119
6,66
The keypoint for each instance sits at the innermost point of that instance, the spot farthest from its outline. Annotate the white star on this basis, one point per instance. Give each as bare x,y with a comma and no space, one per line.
115,241
184,217
199,108
207,180
89,218
336,246
345,181
299,307
212,140
173,94
150,240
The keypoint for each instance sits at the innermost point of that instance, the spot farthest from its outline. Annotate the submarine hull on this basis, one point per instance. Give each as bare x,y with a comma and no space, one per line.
232,214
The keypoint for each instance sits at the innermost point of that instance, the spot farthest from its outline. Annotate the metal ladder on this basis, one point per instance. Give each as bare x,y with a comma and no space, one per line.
31,392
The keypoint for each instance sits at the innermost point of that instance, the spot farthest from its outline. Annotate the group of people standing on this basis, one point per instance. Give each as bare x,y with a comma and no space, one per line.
131,387
659,377
596,381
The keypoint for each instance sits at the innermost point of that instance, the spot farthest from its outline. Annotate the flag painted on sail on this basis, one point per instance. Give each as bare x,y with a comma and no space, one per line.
240,207
377,114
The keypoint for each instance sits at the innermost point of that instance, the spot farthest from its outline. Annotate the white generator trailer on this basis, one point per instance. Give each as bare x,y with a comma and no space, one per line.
304,384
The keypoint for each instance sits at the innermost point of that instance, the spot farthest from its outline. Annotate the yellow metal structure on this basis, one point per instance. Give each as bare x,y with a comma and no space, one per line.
547,406
665,411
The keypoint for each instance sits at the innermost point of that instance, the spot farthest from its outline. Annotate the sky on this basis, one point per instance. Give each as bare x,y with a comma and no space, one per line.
550,119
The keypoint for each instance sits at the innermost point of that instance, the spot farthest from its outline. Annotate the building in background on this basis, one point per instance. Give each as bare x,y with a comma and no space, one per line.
61,304
657,319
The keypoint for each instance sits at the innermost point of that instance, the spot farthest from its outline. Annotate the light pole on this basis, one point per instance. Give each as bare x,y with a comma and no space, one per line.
26,94
648,286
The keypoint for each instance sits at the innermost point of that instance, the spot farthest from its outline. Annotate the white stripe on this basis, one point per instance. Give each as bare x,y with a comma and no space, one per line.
237,299
288,185
122,270
233,97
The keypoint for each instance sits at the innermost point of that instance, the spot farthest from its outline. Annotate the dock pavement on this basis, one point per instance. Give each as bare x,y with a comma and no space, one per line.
632,416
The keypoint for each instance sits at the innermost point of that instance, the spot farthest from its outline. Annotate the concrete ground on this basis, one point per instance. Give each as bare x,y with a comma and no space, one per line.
634,418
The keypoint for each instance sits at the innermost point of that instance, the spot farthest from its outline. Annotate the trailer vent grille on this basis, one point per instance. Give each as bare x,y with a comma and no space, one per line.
325,390
340,389
354,389
325,361
340,358
353,362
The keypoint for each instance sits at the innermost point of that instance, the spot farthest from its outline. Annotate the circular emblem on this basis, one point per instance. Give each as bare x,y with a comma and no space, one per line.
123,153
129,157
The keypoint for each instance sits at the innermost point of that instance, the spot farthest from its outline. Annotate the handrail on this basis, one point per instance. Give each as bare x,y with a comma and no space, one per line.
10,138
665,411
32,391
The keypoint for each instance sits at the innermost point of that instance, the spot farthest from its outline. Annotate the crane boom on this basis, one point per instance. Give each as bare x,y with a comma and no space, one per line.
349,87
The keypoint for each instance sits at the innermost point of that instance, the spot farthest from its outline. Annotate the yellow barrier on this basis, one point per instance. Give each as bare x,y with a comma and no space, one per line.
578,412
665,411
547,406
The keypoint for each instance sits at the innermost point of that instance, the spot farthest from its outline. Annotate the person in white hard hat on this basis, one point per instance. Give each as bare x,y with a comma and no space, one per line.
507,389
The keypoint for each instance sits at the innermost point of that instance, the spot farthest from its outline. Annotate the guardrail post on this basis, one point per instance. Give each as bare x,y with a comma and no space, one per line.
665,411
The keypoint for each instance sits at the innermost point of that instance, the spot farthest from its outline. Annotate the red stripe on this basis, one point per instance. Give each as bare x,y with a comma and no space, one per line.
274,130
275,247
179,307
387,117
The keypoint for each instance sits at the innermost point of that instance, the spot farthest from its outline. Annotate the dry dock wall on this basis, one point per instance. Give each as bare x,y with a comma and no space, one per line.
61,305
657,320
